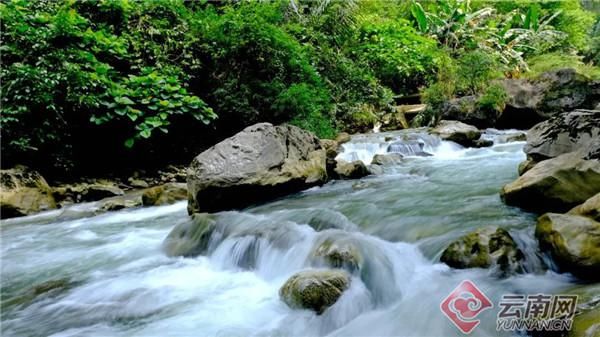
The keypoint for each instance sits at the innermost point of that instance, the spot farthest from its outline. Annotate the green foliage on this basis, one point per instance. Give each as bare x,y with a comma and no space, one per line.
252,63
84,81
148,102
309,104
546,62
493,99
476,70
398,55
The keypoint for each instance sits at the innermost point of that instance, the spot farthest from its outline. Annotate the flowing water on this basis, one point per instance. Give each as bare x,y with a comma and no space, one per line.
119,282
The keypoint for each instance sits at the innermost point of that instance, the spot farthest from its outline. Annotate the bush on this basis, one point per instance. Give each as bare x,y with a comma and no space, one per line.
493,99
546,62
400,57
476,70
310,105
251,65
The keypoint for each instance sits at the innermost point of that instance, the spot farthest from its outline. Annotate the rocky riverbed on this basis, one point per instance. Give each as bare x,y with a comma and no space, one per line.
361,255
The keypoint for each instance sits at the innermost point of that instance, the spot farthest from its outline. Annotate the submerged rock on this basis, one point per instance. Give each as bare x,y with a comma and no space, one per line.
120,202
407,148
342,137
315,290
190,238
318,218
50,287
351,170
573,241
458,132
485,248
166,194
387,159
24,192
483,143
341,253
260,163
556,184
590,208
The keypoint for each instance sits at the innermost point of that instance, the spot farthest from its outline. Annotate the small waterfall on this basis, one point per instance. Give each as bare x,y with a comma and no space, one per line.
417,143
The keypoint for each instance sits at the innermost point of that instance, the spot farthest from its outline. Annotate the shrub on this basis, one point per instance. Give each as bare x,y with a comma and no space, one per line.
493,99
309,105
546,62
400,57
476,70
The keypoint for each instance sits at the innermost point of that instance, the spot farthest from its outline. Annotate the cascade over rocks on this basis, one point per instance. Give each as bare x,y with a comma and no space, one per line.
190,238
24,192
484,248
260,163
573,241
316,290
556,184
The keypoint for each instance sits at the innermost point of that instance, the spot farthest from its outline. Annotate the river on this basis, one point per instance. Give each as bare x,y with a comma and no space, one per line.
121,283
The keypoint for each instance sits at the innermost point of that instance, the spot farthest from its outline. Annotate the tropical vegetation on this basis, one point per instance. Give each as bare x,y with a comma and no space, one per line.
90,85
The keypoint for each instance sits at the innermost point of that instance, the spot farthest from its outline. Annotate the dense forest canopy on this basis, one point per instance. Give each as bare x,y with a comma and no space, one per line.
91,85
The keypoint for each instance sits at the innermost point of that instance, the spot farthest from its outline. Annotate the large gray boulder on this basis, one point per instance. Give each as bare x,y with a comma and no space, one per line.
260,163
458,132
24,192
573,241
533,100
316,290
578,130
484,248
556,184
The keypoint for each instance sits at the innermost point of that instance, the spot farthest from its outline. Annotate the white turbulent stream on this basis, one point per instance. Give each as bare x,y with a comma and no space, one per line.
123,284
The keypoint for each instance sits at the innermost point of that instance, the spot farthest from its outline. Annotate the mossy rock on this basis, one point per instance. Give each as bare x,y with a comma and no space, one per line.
590,208
351,170
342,253
24,192
573,241
164,194
51,287
484,248
315,290
190,238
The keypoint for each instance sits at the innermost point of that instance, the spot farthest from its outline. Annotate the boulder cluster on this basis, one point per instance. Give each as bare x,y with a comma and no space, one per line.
561,180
